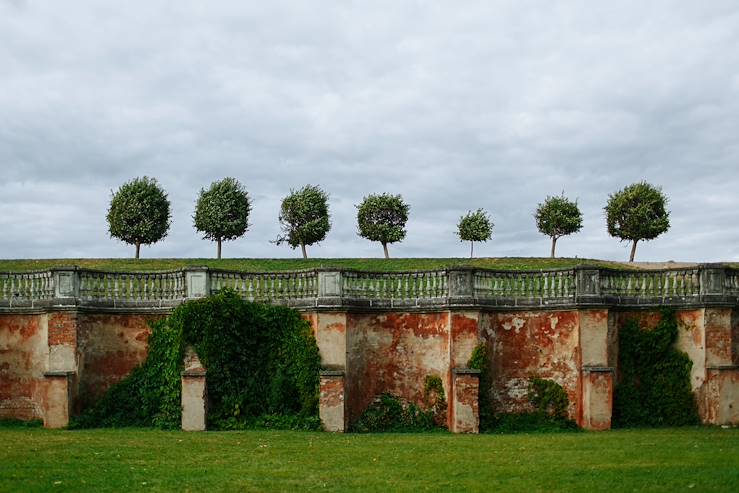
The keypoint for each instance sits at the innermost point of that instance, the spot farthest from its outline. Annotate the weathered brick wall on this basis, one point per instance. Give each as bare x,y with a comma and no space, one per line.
110,346
393,353
541,343
390,352
23,359
99,349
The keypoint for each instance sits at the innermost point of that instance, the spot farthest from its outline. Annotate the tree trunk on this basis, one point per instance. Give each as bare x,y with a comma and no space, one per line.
138,248
554,245
633,251
472,248
384,247
219,248
302,247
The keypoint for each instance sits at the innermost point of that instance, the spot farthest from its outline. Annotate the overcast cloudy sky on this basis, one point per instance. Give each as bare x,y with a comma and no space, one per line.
456,105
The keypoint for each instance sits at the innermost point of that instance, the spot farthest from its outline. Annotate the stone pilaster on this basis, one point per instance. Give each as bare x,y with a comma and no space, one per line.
465,415
197,282
596,397
332,405
194,394
58,405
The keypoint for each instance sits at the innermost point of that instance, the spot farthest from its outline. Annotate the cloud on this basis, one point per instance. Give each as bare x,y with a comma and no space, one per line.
490,104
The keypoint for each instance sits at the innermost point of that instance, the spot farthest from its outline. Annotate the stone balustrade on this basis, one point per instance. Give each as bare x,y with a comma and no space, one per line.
706,284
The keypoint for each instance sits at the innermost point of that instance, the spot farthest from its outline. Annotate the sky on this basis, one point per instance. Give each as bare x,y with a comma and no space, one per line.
455,105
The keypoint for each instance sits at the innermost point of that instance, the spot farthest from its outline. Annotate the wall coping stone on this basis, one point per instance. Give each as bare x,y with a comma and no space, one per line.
598,369
59,373
465,371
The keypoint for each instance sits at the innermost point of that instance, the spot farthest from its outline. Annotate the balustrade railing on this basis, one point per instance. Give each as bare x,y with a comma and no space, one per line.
394,285
679,283
455,287
131,288
270,286
26,286
543,285
731,285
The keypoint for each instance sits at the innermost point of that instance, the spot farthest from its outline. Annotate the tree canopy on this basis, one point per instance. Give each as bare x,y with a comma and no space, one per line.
304,218
382,217
475,226
557,217
638,212
139,213
222,211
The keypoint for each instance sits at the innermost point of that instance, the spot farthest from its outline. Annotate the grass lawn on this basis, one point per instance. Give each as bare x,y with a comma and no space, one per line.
686,459
276,265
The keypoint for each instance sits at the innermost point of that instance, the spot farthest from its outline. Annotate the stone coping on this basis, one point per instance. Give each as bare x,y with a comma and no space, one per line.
332,372
466,371
59,373
722,367
194,372
599,369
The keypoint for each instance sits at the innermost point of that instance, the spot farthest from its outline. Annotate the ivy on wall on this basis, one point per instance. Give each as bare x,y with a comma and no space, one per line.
547,398
653,388
389,413
262,360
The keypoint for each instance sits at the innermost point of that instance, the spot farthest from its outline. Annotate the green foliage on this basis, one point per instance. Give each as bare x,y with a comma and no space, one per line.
262,363
638,212
479,361
382,218
151,394
139,213
557,217
478,358
389,414
433,385
548,398
475,226
222,211
304,217
653,388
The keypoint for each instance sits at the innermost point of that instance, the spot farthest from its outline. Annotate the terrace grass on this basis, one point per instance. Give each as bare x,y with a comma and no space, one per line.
286,264
644,460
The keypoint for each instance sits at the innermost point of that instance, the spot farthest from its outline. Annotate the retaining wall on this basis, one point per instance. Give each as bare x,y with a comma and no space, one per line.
65,339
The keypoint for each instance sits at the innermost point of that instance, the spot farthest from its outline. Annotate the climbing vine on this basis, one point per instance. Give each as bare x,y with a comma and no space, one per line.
262,360
390,413
653,387
548,399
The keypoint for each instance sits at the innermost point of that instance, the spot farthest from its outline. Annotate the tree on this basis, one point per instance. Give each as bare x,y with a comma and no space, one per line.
304,218
636,213
139,213
382,218
475,226
222,211
558,217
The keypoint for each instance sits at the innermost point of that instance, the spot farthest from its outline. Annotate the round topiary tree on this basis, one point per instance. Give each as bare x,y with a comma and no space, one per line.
636,213
304,218
222,211
382,218
139,213
558,217
475,226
